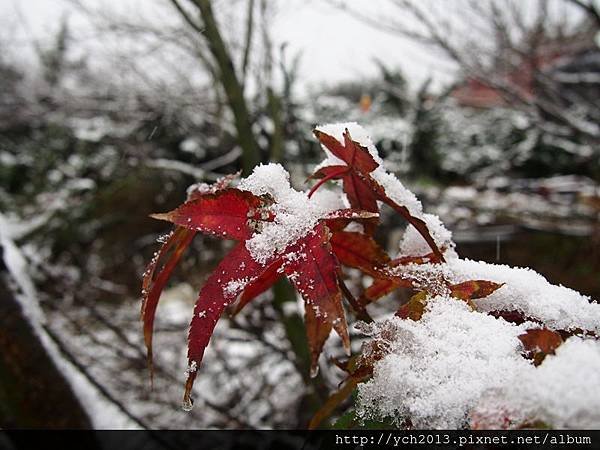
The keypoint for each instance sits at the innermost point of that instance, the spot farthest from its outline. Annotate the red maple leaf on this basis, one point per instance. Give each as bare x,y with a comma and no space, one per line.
309,263
362,190
167,258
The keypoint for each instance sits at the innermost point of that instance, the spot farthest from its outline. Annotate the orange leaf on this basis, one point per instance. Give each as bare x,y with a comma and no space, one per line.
333,401
540,342
474,289
414,308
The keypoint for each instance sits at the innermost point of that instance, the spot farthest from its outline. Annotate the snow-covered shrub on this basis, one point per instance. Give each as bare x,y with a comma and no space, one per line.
477,345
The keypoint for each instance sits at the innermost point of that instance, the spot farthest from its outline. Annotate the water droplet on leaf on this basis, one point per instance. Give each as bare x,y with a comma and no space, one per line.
187,404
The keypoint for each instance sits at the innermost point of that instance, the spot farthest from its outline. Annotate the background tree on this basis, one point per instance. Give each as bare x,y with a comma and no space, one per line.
539,58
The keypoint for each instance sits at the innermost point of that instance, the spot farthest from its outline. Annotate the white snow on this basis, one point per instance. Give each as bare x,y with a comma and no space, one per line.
563,392
557,307
178,166
393,187
295,214
457,368
525,291
235,287
439,367
413,244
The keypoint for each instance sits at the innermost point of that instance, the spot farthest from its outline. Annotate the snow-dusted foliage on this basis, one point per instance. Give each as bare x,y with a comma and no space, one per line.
562,392
463,364
438,367
477,345
457,368
295,215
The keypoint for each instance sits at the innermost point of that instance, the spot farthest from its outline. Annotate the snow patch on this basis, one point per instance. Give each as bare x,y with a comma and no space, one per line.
413,244
103,413
439,367
562,392
458,368
295,214
528,292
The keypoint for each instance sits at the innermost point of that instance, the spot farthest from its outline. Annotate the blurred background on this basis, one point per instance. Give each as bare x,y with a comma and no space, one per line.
489,110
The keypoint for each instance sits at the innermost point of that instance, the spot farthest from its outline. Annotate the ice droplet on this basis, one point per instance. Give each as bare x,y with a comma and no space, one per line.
187,404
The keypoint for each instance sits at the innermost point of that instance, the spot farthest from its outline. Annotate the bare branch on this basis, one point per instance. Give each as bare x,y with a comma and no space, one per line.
185,15
248,40
590,8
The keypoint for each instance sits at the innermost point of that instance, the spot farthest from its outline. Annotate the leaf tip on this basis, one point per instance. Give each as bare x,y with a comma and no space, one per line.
161,216
150,362
347,349
188,402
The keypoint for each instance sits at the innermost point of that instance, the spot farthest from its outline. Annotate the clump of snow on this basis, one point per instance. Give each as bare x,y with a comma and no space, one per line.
524,291
397,192
458,368
199,188
332,200
562,392
234,287
439,367
528,292
295,214
432,278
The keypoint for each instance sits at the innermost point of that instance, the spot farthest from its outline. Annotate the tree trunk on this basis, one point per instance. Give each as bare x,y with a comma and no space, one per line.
232,87
33,391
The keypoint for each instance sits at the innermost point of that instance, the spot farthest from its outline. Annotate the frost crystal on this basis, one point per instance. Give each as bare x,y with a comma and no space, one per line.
193,367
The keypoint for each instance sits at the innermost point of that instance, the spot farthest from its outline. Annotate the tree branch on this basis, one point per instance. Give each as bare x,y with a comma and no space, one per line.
231,85
248,44
188,19
589,8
